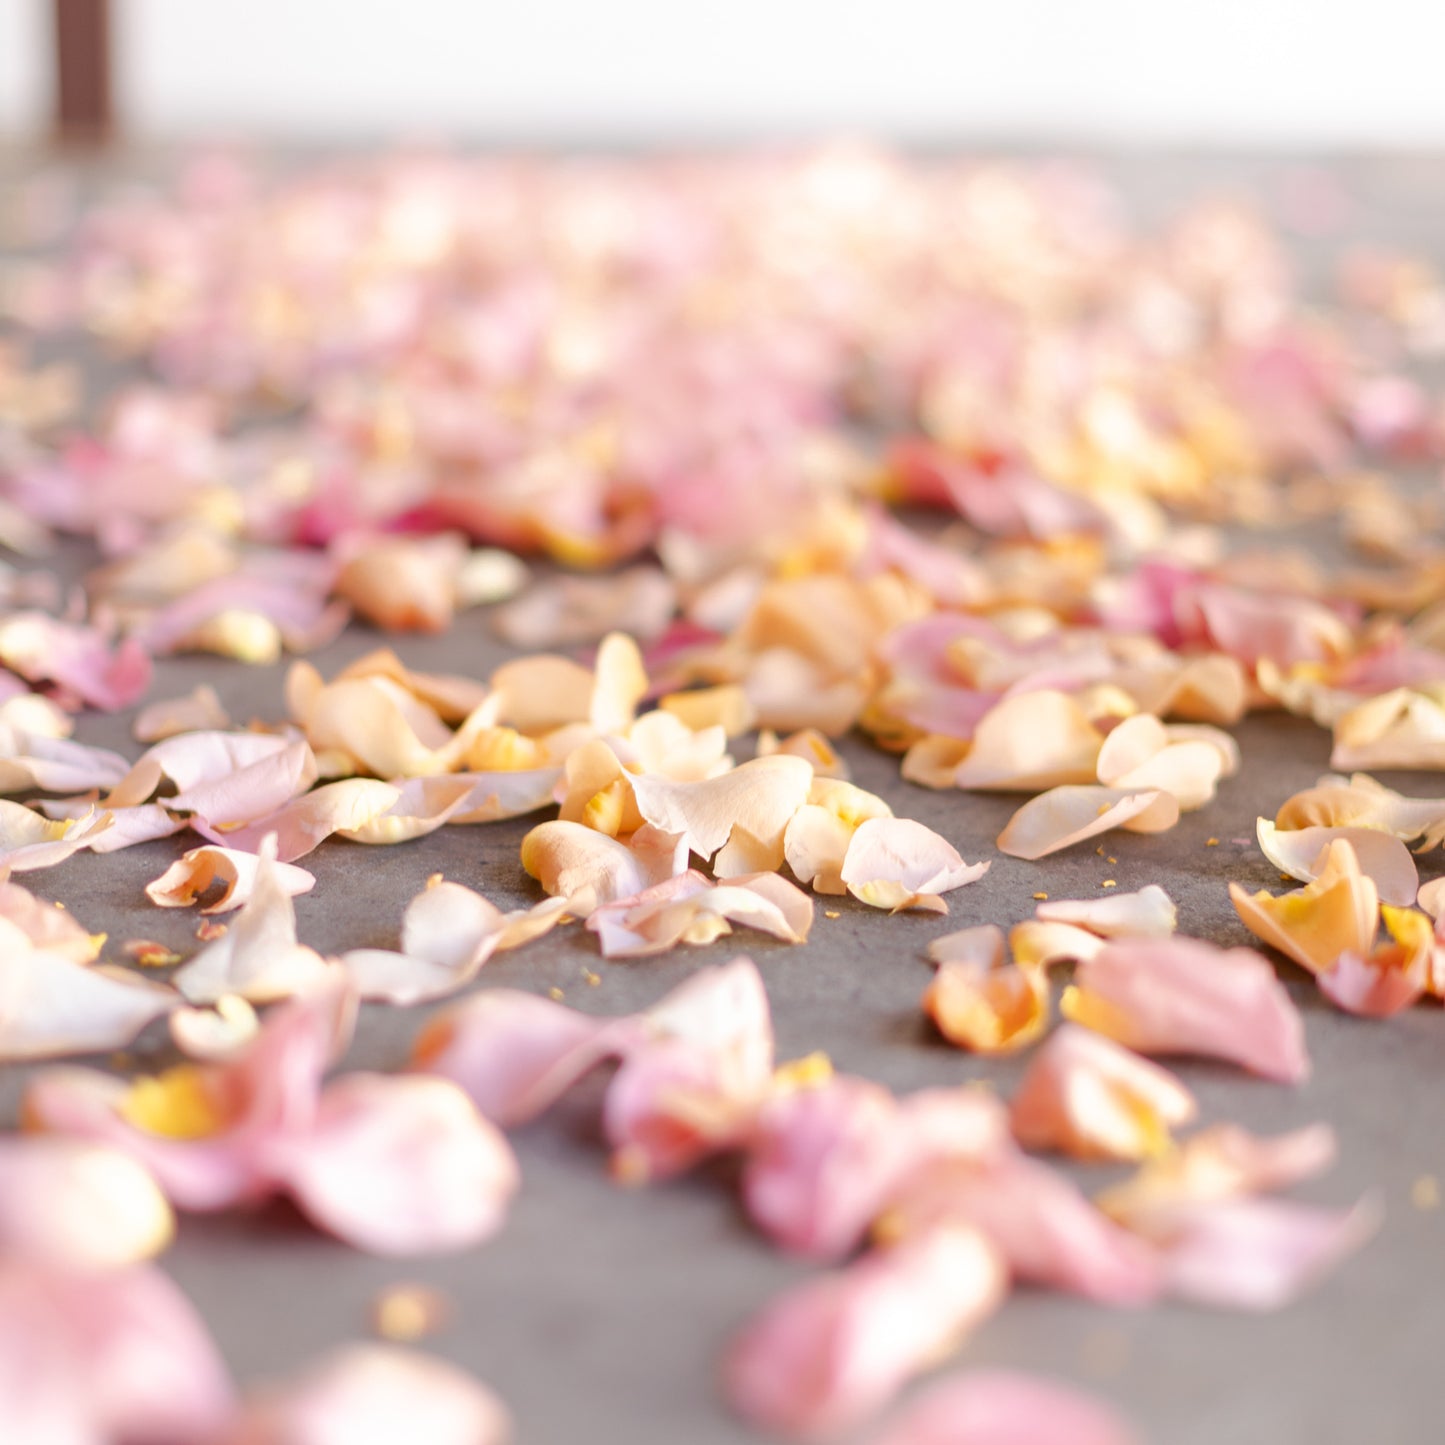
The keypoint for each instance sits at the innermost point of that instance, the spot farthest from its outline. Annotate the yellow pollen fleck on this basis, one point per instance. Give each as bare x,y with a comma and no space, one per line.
831,913
591,979
1042,897
406,1313
1425,1192
809,1072
555,994
435,880
1211,842
1100,849
1108,883
1111,860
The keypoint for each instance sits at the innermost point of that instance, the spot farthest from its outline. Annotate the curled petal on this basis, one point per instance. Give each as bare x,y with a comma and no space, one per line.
216,1033
986,1009
404,584
348,806
57,765
196,872
982,946
198,711
898,863
251,790
1087,1096
399,1166
1038,944
258,957
590,869
1304,853
1222,1162
1065,816
1182,996
818,835
29,841
1360,801
515,1054
1045,1228
422,806
73,1205
755,801
1432,897
833,1350
1392,975
1254,1254
1149,913
47,926
1003,1407
1337,913
1403,728
374,1392
375,723
1031,741
1143,753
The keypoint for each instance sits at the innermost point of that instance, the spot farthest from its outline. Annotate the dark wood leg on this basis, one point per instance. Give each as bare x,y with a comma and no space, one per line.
83,112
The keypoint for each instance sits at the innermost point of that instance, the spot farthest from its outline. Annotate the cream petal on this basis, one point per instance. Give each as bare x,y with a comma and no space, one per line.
1065,816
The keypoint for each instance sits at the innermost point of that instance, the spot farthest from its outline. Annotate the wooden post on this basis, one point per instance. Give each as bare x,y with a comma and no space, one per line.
83,113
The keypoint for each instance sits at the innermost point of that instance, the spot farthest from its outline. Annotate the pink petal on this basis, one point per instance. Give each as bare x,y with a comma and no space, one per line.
1182,996
1255,1254
77,659
199,710
73,1205
399,1166
1030,742
833,1350
57,765
1149,913
305,822
1003,1407
515,1054
1369,986
1046,1229
1303,853
1088,1096
372,1394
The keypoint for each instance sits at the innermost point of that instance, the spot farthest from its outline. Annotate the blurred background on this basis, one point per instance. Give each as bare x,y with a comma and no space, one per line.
1269,73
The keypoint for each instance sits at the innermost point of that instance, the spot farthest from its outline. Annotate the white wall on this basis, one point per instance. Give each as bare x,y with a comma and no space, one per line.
24,81
1231,71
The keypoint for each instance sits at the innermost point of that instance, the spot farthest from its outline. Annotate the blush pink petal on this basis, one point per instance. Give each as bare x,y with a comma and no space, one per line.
834,1350
198,711
73,1205
422,806
35,763
112,1357
29,841
1003,1407
399,1166
1182,996
1365,985
374,1394
77,660
494,796
1029,742
46,925
1254,1254
515,1054
1049,1233
1065,816
897,863
306,822
590,869
143,823
1087,1096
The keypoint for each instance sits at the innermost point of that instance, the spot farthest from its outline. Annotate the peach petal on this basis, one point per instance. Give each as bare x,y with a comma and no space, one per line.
1142,752
499,795
1183,996
198,711
399,1166
1254,1254
811,745
1004,1407
833,1350
1221,1162
1038,944
1029,742
1337,913
1149,913
1089,1097
1065,816
1048,1232
404,584
1303,853
422,806
217,1033
1432,897
48,926
515,1054
590,869
258,957
1362,802
197,871
69,1204
449,696
126,827
757,798
1403,728
898,863
989,1010
816,840
982,946
375,722
365,1394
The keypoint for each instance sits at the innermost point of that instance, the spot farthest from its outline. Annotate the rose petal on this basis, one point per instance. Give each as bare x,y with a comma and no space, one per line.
195,872
589,869
1303,853
1180,995
1065,816
1029,742
1089,1097
898,863
302,824
1149,913
1002,1407
198,711
833,1350
987,1009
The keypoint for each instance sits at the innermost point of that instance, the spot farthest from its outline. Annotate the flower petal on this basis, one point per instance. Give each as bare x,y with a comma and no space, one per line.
1303,853
197,871
1065,816
1031,741
898,863
1149,913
